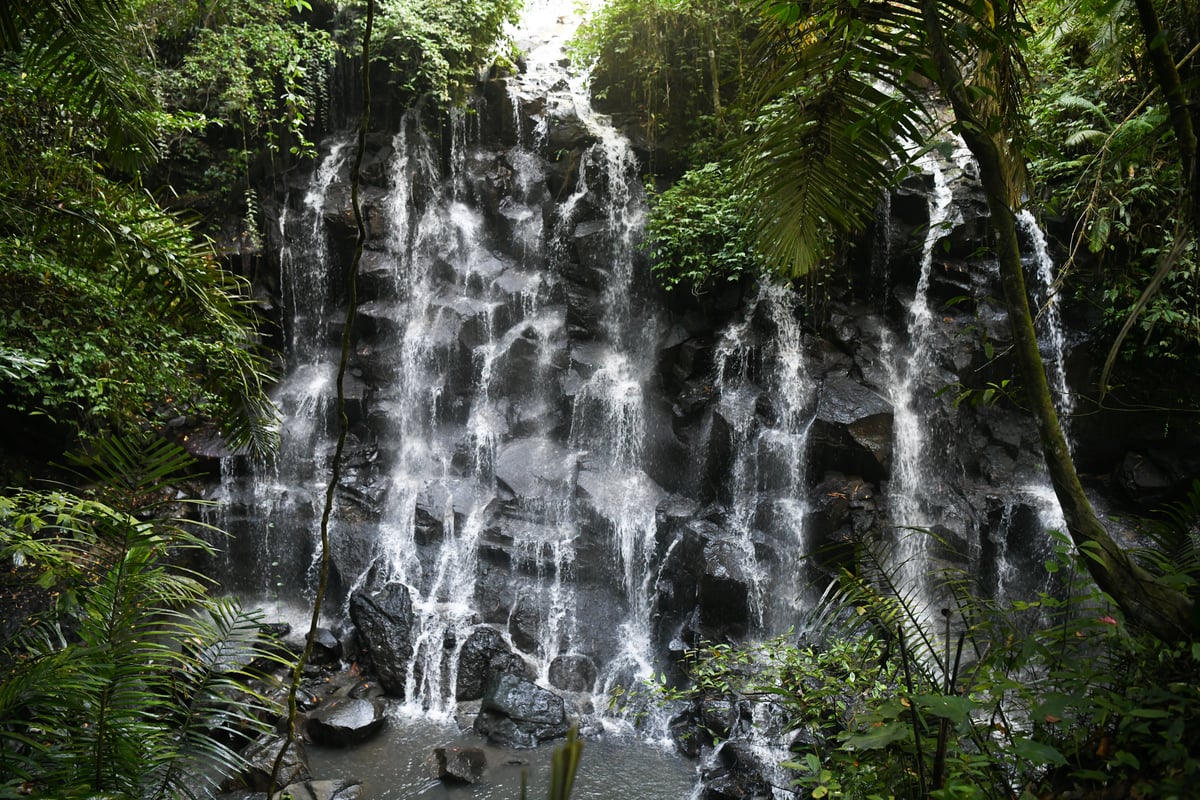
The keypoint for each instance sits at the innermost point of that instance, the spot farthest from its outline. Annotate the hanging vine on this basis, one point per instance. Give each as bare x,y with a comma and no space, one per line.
343,422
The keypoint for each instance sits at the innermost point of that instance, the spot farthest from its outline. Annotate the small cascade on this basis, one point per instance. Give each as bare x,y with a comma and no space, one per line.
1017,546
766,400
278,505
914,494
1051,335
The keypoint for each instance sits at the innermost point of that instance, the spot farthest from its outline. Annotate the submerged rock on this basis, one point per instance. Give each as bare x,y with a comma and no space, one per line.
324,790
459,764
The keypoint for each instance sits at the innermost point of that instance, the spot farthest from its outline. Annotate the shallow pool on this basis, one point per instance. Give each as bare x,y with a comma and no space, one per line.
398,764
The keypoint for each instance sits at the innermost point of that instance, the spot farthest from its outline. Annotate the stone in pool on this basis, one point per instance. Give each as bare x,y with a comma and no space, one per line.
345,722
459,764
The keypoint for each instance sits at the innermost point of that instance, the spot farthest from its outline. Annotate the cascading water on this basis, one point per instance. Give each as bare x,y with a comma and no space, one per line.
1051,336
916,493
517,462
765,485
275,511
495,437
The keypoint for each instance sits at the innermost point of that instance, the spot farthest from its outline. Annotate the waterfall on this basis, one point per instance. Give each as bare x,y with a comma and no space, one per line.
497,465
764,488
917,494
1051,335
519,460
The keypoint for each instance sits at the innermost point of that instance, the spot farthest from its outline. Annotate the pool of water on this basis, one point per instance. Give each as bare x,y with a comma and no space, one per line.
398,764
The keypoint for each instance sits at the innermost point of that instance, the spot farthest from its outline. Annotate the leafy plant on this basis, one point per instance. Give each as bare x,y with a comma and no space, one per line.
113,311
1104,151
679,64
135,683
563,766
1028,699
434,48
254,66
76,55
697,233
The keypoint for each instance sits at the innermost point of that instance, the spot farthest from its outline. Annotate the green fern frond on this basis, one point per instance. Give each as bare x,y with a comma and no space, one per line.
151,691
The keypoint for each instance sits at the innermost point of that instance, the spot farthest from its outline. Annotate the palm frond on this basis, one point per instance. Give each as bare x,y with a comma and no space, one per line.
134,469
216,708
72,47
151,693
838,107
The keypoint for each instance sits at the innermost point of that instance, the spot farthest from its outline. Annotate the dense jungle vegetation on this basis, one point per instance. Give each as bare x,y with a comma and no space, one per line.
137,135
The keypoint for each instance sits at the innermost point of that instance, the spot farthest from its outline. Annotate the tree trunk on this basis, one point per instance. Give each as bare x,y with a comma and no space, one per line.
1147,603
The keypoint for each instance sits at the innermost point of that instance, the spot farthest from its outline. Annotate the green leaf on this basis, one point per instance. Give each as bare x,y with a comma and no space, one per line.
1037,752
1149,713
878,737
955,709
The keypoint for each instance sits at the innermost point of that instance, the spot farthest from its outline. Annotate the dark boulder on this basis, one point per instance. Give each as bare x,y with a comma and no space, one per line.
852,431
738,774
260,761
519,713
459,764
384,620
324,790
345,721
484,654
326,648
1144,480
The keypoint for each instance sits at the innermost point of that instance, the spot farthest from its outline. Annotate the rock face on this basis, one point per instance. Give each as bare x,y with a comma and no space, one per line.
573,672
519,713
551,462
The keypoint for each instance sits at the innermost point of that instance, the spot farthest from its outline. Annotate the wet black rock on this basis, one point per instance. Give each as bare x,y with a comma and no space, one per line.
519,713
260,761
459,764
345,722
738,774
852,431
484,654
324,790
384,620
524,625
326,648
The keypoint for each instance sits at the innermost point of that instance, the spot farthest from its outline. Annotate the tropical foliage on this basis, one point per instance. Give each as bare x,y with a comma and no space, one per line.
114,311
838,108
697,233
1036,698
120,682
434,48
679,63
1103,145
